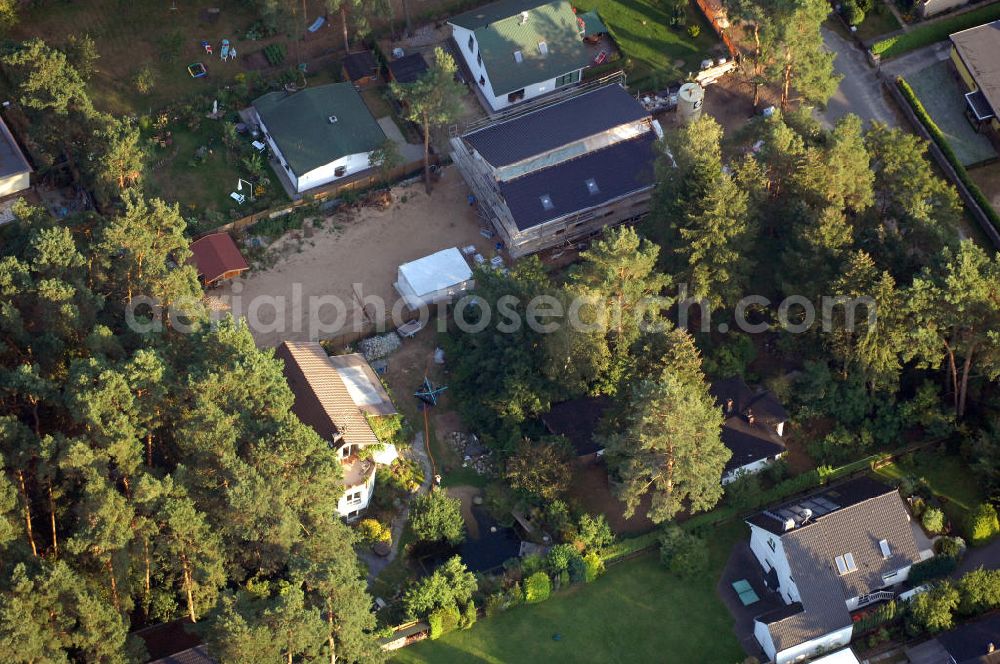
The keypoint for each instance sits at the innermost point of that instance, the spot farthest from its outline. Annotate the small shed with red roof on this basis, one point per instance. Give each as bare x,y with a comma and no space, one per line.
216,257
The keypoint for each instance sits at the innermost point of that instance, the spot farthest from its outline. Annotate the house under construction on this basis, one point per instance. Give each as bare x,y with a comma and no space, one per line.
563,171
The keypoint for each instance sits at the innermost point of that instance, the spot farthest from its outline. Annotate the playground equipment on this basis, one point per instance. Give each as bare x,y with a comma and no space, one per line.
197,70
208,47
224,54
428,393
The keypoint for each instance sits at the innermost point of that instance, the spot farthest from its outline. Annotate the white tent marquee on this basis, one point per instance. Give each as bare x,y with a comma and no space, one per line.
433,279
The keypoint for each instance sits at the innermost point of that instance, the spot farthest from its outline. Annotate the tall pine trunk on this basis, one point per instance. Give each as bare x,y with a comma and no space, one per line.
188,588
427,153
964,388
27,512
329,622
343,24
52,518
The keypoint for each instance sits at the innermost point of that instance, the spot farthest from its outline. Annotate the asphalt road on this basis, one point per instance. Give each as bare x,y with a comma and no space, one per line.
859,92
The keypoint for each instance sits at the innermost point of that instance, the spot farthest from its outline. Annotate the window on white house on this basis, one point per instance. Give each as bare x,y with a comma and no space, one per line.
568,79
479,58
472,44
770,543
354,497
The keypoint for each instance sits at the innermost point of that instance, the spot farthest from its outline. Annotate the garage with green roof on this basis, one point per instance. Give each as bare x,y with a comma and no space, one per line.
521,49
319,134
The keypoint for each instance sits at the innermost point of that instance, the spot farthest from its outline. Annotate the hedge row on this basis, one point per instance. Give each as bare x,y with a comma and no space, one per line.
931,568
793,485
930,33
942,142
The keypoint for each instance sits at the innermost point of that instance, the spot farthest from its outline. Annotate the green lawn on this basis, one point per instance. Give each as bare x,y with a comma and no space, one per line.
637,612
640,28
929,33
948,476
877,22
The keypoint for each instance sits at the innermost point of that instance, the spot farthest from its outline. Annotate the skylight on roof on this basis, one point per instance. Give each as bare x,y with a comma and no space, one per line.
543,48
592,186
547,202
884,546
846,564
518,57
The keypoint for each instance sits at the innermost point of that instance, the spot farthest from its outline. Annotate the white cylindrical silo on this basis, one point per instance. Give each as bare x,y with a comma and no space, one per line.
690,98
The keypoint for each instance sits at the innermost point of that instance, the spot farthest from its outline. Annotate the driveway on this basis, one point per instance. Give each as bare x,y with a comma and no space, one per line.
984,556
860,91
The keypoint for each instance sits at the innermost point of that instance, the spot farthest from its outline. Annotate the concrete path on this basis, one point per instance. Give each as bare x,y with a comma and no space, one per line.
408,151
917,60
860,91
378,563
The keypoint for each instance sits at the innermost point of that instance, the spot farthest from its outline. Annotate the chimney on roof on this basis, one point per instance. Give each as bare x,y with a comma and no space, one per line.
789,524
750,416
990,648
729,405
524,17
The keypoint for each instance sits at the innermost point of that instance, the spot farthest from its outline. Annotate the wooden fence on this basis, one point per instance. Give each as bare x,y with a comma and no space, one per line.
712,11
362,182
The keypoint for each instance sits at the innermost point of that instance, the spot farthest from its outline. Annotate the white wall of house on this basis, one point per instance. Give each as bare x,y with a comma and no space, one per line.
14,183
825,643
750,468
761,543
356,498
317,177
763,636
482,77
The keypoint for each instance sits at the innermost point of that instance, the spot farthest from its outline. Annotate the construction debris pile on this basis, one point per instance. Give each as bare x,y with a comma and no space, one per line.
379,346
474,454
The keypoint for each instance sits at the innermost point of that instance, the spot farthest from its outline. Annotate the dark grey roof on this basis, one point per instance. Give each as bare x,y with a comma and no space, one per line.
762,404
12,160
408,68
969,643
359,65
749,442
510,141
780,613
197,655
576,420
862,512
617,170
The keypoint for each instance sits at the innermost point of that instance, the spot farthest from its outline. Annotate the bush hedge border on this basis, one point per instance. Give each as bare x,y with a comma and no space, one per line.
946,149
817,477
930,33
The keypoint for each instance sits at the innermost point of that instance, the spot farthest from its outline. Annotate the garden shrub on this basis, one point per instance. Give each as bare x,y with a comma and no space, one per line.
683,553
880,615
745,491
578,568
594,532
931,568
694,30
514,596
933,611
275,54
468,617
494,604
853,14
371,531
982,525
537,588
933,520
531,564
594,566
443,620
953,547
979,591
559,556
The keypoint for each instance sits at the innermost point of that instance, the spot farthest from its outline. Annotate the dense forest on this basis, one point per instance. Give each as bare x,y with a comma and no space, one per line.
157,475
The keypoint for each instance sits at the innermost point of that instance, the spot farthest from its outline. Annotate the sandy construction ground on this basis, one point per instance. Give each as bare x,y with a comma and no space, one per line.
351,253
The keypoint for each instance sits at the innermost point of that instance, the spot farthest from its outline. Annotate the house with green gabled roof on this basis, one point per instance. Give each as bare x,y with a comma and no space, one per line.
319,134
521,49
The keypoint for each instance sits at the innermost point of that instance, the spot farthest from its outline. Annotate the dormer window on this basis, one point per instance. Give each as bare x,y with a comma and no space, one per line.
846,564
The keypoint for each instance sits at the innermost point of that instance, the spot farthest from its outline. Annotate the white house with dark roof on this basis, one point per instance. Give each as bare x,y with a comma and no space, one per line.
753,425
831,552
335,396
15,172
521,49
561,173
